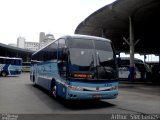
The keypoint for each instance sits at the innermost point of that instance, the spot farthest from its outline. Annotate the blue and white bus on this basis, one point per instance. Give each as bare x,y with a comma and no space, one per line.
77,67
10,66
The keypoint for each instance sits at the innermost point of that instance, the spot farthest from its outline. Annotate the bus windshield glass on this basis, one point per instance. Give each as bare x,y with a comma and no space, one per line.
91,59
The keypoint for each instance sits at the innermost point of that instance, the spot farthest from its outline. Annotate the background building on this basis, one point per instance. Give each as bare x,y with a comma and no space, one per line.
21,42
32,46
43,41
41,37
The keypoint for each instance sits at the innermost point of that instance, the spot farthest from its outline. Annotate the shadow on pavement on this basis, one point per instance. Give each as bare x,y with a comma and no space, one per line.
74,104
85,104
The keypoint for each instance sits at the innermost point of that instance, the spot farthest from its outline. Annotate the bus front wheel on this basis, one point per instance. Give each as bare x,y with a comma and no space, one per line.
54,91
34,81
4,74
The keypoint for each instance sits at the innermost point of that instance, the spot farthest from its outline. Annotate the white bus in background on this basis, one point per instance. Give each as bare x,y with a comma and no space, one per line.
26,66
10,66
142,70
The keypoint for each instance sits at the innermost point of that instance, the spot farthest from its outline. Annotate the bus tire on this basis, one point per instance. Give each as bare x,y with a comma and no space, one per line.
34,81
54,90
4,74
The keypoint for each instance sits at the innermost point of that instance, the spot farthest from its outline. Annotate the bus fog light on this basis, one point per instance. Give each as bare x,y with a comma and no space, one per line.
72,95
115,94
75,88
114,88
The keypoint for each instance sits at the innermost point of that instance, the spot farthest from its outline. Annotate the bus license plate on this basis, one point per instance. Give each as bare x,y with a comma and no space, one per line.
97,96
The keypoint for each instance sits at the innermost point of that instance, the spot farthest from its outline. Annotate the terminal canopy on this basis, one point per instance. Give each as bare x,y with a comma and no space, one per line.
10,51
112,22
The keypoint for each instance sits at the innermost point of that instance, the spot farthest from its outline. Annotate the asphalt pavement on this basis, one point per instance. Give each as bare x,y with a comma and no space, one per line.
18,96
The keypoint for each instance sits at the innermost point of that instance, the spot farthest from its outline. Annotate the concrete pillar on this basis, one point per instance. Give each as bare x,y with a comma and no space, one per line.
27,57
145,57
131,38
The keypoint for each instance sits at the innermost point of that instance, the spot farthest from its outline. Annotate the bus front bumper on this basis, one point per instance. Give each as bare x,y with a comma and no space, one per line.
79,95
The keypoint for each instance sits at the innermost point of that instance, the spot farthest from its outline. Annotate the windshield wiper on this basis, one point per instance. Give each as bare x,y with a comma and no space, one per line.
91,66
106,71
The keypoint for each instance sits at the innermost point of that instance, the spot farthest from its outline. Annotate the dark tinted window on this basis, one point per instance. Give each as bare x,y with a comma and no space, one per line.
125,62
17,62
80,43
8,61
103,45
93,57
61,49
48,53
51,51
2,61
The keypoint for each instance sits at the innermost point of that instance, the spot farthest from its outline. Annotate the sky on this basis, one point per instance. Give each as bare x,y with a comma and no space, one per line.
27,18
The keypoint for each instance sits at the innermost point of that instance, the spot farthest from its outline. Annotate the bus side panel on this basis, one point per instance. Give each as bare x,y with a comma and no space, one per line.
5,69
32,73
14,69
61,89
46,72
1,67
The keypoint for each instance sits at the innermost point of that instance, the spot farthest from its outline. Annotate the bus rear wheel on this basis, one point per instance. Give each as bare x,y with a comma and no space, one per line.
4,74
34,81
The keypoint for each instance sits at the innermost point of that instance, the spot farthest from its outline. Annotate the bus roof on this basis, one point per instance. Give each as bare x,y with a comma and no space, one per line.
10,58
85,37
76,36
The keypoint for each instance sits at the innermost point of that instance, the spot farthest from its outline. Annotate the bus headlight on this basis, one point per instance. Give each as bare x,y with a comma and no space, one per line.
114,88
75,88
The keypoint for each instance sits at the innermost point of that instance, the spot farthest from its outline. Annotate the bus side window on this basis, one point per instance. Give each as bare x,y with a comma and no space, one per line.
13,62
18,62
8,61
3,61
51,53
61,50
62,57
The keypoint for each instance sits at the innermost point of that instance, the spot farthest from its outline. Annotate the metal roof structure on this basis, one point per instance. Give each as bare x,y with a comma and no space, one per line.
112,21
10,51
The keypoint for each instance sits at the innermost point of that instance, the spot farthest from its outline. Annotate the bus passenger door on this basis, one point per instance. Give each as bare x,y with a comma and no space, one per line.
62,65
62,58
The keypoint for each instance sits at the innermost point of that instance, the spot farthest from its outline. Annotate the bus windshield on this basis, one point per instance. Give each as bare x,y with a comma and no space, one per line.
91,59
